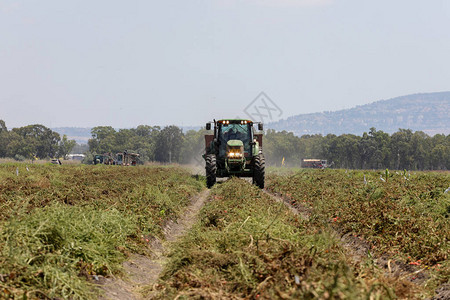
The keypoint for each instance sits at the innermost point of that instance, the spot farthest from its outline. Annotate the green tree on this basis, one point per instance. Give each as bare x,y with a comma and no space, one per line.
3,126
4,137
347,151
144,141
65,146
440,153
279,145
103,139
420,149
169,144
102,132
17,146
367,148
380,158
42,140
401,149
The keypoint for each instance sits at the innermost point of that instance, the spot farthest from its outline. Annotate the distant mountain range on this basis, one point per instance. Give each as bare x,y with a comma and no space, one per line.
428,112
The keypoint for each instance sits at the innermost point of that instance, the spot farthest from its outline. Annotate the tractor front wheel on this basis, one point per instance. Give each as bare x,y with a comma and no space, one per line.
211,168
259,170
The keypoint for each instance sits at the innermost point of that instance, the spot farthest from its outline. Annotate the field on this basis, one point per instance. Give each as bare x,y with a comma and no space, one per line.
397,217
313,234
59,225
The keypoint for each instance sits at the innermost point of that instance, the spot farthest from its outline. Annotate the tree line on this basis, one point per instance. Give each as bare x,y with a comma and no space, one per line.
153,143
403,149
33,142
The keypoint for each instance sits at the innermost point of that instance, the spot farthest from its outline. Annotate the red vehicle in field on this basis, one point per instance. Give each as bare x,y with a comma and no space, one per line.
314,163
127,158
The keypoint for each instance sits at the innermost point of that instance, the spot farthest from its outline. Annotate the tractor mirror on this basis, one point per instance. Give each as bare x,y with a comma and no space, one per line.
260,126
208,126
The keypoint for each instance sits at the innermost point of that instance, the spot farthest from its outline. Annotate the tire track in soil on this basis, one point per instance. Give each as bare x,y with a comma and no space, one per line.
358,249
143,271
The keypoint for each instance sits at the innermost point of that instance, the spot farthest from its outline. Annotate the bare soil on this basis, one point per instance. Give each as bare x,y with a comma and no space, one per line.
304,212
143,271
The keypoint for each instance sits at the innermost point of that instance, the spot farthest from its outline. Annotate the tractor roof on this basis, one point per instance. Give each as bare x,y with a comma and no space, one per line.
234,121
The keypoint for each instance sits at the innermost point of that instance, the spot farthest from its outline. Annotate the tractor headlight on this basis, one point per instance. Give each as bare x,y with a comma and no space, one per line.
235,150
234,153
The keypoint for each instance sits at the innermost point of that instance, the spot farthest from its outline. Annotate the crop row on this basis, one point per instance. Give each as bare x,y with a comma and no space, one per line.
60,225
247,245
404,216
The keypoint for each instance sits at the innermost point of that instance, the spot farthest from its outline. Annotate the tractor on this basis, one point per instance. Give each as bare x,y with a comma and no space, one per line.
234,149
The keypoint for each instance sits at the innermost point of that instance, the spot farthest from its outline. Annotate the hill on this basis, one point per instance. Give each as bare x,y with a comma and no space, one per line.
427,112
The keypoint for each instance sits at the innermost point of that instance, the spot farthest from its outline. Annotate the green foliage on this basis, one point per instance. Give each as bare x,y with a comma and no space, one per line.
40,139
61,224
33,141
166,145
19,157
65,146
246,245
57,243
88,158
277,145
403,216
3,126
103,137
373,150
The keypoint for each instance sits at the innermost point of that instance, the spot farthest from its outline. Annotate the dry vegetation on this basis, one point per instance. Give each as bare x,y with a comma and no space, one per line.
247,245
59,225
403,217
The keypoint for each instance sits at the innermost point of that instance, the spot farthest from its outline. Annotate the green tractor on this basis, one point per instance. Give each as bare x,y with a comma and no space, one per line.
234,149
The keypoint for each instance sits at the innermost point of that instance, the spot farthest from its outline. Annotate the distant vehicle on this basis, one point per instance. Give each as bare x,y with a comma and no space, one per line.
127,158
106,159
98,159
56,161
75,156
314,163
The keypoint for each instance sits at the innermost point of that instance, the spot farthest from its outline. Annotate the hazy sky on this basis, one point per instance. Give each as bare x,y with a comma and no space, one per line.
126,63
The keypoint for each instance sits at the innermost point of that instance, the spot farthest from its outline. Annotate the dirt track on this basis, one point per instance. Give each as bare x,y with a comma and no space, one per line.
144,271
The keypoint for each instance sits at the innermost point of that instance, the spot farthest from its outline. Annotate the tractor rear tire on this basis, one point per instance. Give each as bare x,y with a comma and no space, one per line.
259,170
211,168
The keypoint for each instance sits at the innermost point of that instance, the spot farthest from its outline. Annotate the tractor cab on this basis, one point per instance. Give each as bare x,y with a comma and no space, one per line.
234,132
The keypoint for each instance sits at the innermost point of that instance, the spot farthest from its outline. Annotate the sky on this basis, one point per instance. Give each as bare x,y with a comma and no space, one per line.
126,63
